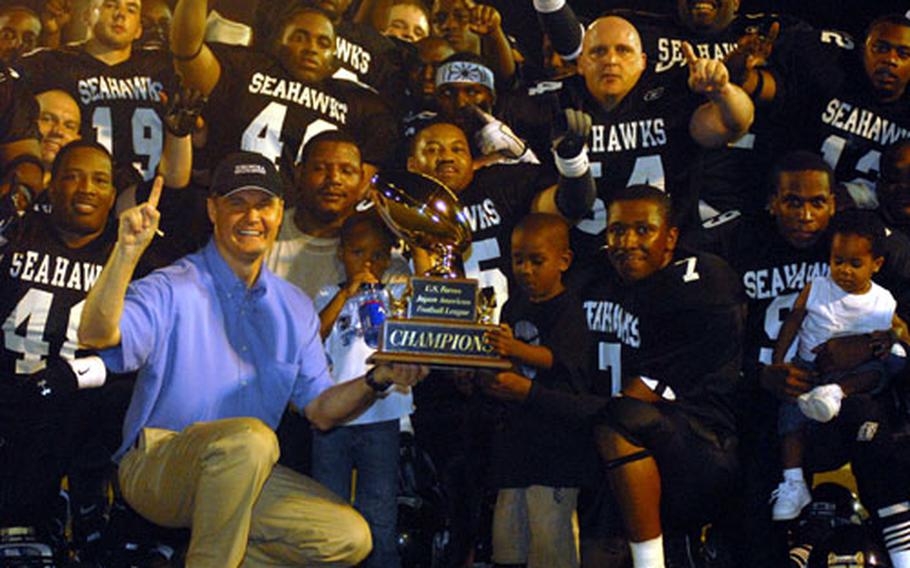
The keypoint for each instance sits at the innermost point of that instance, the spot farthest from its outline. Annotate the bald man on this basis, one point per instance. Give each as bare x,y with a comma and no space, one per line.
643,126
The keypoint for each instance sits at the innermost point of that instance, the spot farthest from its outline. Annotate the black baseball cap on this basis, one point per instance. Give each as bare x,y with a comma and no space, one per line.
246,170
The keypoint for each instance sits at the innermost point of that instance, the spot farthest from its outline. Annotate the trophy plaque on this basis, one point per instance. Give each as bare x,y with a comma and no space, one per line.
441,319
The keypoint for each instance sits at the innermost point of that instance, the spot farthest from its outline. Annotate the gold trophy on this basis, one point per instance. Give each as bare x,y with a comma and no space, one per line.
441,319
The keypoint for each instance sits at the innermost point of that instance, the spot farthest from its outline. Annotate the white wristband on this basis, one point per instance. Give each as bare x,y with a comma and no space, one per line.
90,371
572,167
548,6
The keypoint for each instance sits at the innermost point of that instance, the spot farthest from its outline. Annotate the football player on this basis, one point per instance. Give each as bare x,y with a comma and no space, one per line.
495,198
49,263
846,99
643,125
668,444
117,86
278,100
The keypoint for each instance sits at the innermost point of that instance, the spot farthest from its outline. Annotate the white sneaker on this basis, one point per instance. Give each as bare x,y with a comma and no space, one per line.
789,499
822,403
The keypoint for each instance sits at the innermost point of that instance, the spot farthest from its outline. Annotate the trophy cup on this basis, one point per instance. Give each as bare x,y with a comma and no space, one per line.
441,319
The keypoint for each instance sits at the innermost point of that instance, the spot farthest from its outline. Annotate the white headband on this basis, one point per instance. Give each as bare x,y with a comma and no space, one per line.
464,72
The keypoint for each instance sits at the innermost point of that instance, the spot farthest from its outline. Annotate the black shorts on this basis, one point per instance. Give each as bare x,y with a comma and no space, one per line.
698,468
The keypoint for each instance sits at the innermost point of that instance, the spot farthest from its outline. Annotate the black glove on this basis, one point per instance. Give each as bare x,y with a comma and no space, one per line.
569,142
183,110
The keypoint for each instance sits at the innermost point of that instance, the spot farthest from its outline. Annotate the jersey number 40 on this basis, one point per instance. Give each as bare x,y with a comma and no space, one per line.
31,313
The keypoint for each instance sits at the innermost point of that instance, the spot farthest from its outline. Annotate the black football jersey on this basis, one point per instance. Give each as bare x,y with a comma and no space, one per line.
44,288
829,107
497,199
258,107
644,140
120,104
18,109
731,177
682,327
367,57
773,273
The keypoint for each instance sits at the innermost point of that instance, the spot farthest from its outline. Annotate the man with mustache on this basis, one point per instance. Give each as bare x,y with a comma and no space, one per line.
776,255
329,182
156,24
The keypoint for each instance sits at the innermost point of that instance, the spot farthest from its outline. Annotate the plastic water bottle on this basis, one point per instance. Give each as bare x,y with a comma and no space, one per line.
372,311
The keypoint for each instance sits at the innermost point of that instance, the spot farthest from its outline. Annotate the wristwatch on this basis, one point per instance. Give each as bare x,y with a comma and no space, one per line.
371,382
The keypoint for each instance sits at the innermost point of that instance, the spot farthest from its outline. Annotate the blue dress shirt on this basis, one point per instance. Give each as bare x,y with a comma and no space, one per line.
207,347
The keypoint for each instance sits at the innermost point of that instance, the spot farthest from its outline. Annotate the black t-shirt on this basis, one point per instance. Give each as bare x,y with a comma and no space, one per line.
644,140
829,107
18,109
44,288
259,107
535,448
495,201
682,327
120,104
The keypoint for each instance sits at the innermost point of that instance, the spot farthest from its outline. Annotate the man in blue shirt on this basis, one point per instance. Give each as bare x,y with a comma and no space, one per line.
222,345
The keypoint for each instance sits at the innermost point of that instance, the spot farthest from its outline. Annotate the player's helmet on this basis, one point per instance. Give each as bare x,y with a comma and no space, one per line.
835,503
849,546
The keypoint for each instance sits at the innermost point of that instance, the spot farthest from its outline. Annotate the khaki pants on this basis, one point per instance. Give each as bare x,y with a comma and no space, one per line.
220,479
536,526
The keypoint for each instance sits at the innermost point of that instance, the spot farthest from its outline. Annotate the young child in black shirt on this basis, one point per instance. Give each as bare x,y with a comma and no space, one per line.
538,462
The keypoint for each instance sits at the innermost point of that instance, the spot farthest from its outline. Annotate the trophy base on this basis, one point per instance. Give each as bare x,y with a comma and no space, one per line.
435,361
437,343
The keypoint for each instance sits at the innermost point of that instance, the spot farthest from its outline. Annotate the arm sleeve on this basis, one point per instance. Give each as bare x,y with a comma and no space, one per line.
147,314
560,24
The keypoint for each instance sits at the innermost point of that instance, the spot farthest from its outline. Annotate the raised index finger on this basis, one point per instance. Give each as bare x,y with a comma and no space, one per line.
689,53
155,194
773,32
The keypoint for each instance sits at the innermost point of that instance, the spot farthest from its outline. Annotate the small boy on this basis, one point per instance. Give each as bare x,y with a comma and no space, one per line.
368,442
538,462
846,302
